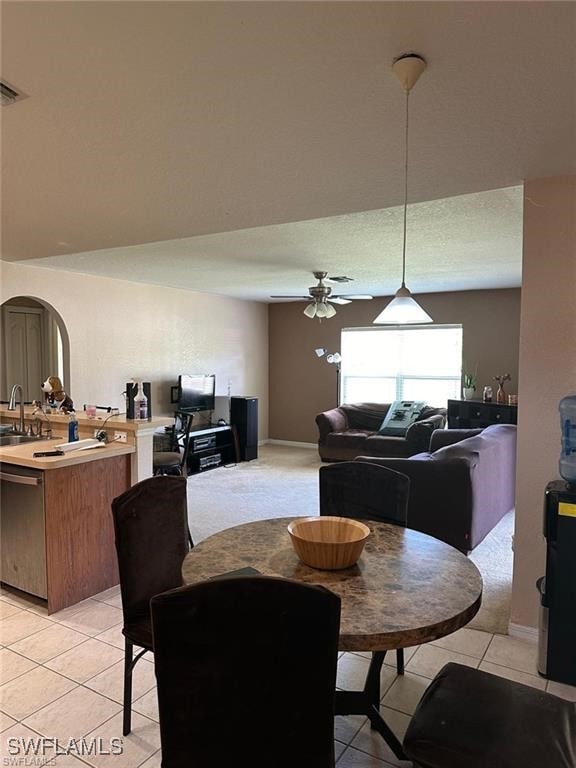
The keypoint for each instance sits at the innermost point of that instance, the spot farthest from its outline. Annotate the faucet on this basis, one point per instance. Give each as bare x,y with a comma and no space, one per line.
35,430
12,406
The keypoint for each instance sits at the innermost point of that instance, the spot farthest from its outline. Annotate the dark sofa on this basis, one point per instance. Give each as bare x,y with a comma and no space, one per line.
351,430
463,486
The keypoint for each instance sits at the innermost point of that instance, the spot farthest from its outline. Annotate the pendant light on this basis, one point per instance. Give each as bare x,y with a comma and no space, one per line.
404,309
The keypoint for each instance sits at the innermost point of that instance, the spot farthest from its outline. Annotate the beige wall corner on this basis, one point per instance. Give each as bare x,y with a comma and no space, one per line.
119,330
547,370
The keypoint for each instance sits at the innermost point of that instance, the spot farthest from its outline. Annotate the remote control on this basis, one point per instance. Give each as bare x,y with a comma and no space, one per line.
47,453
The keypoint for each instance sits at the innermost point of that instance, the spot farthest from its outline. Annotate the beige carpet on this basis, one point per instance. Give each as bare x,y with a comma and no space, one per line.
283,482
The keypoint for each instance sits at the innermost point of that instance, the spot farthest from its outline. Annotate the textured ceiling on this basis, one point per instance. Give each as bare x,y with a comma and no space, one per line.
235,147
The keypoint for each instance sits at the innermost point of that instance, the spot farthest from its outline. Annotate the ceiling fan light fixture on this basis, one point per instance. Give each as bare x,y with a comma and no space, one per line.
404,309
310,310
330,311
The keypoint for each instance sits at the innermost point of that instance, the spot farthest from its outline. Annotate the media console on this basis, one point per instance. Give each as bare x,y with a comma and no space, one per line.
210,447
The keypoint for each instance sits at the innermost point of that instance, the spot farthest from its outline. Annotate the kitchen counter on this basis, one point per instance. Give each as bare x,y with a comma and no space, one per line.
136,439
22,455
56,524
59,421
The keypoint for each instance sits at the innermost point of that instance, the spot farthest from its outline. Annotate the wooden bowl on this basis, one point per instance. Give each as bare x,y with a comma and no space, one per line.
328,543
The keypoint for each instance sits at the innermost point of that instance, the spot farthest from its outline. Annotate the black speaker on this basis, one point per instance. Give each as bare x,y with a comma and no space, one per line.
244,416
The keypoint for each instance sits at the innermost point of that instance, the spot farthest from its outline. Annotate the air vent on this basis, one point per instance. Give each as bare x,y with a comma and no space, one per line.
9,94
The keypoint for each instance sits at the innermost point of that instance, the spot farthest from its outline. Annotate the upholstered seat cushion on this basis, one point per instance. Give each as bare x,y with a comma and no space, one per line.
468,718
166,459
351,440
379,445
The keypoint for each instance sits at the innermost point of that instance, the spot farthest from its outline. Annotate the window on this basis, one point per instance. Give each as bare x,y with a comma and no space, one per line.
380,365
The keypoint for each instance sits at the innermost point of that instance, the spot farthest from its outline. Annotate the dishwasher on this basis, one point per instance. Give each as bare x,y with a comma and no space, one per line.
22,529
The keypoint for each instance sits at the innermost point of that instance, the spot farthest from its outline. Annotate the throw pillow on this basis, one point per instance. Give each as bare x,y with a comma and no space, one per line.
401,415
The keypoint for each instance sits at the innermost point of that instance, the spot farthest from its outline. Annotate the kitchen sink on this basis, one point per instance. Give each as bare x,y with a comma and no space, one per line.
11,439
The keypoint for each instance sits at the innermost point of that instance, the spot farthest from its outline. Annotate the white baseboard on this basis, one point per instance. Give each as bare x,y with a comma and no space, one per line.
292,443
523,633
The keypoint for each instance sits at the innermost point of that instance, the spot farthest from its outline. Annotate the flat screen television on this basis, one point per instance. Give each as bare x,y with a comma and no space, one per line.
196,392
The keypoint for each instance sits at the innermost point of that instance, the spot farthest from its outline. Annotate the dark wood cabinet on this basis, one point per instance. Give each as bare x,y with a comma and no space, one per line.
472,414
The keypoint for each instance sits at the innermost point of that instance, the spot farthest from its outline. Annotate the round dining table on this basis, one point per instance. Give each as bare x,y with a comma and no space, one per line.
407,588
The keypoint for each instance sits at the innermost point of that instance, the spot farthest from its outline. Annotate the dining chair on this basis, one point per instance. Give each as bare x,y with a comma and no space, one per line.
246,673
175,460
468,717
152,538
365,491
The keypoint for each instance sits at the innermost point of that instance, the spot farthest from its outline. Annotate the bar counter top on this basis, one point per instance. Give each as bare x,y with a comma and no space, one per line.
59,421
22,455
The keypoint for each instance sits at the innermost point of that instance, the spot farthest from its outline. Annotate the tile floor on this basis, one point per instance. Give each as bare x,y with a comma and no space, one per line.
61,677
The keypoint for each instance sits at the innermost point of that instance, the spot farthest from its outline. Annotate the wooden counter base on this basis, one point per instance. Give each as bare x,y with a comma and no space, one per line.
80,551
74,550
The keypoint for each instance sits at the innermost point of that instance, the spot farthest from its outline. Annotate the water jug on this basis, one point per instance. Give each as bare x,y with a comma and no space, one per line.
568,429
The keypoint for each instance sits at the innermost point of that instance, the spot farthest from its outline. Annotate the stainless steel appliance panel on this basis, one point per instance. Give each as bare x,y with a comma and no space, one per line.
22,527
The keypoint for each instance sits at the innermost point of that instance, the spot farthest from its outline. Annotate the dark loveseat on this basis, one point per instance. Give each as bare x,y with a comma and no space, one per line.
463,486
351,430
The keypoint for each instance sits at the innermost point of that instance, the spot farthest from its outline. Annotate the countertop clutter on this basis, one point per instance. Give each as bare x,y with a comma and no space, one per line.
59,421
122,437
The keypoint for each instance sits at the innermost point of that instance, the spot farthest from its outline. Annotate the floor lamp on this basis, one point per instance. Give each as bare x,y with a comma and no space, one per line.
333,358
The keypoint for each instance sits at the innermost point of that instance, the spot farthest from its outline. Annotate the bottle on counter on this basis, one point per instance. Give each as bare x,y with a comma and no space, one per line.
140,403
72,427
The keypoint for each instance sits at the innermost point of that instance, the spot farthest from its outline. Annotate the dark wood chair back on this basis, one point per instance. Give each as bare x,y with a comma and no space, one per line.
364,491
151,526
246,673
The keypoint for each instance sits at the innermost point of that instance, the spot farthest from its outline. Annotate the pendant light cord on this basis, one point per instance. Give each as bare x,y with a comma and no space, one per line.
405,191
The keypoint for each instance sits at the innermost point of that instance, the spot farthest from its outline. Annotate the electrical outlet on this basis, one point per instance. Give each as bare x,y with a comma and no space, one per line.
121,437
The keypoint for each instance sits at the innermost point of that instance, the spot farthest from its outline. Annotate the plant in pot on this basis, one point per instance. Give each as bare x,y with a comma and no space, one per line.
469,386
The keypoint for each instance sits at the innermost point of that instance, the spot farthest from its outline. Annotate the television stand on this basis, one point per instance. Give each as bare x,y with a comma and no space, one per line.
211,446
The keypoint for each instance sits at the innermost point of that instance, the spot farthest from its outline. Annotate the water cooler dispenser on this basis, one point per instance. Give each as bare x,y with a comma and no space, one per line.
557,640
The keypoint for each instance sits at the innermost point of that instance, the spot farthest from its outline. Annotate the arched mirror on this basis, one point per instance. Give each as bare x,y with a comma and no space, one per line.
35,345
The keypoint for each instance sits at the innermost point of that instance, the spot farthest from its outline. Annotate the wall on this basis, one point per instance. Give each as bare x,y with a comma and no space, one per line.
547,369
119,330
301,385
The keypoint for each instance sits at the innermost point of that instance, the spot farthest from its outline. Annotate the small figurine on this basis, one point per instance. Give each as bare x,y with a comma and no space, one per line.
500,394
55,396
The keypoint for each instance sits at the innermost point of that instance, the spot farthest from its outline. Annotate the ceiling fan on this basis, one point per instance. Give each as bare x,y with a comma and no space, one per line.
322,297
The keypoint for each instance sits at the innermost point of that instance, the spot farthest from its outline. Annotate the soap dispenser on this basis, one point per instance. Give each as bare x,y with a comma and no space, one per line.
72,427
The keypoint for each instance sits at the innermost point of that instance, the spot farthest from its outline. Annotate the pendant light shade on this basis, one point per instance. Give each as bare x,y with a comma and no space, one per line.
404,309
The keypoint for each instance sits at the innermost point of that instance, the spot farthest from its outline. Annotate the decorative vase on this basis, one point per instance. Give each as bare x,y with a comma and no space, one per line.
500,394
468,393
